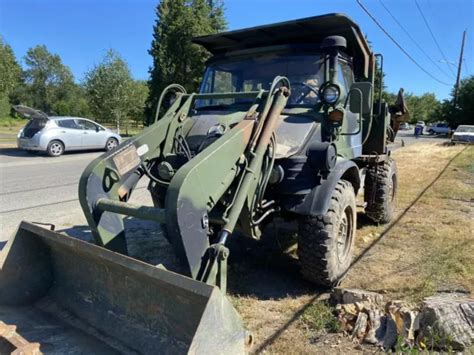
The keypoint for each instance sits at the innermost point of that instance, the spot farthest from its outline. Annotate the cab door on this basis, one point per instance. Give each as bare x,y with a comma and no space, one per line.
352,146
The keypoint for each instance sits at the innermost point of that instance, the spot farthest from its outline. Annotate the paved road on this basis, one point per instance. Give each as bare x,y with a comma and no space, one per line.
42,189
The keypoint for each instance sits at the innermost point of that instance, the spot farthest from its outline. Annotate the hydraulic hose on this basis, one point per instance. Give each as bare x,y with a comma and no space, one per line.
176,88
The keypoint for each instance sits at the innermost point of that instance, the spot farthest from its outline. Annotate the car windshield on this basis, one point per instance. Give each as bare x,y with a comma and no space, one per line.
251,74
465,129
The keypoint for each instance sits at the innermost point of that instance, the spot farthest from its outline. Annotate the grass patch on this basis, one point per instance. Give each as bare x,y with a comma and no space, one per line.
10,122
430,248
320,317
9,128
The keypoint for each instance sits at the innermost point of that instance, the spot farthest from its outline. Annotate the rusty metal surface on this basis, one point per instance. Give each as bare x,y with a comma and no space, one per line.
111,298
56,331
14,343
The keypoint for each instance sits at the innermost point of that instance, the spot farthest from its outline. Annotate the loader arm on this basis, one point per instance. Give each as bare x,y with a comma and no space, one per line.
109,180
195,187
113,176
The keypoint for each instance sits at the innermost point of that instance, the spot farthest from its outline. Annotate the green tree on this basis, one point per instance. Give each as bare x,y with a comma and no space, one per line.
217,16
465,103
75,105
47,79
463,111
112,93
422,108
138,97
175,58
10,76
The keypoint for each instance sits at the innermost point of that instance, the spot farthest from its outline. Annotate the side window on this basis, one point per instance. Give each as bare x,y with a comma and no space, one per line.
345,75
67,124
86,125
221,81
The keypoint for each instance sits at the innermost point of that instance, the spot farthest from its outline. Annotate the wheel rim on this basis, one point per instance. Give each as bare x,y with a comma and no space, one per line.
56,148
344,235
111,144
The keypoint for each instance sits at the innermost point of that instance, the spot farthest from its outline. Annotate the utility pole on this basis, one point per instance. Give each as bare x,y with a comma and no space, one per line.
458,79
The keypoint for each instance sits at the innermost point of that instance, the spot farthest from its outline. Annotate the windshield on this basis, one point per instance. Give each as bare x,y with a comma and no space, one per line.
466,129
251,74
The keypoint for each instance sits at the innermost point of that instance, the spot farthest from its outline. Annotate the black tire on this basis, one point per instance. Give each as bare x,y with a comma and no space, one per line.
324,246
111,144
55,148
380,191
431,132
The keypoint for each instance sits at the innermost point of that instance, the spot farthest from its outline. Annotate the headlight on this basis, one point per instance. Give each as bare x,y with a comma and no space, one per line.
330,94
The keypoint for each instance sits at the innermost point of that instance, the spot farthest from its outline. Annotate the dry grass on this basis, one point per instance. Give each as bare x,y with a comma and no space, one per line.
429,247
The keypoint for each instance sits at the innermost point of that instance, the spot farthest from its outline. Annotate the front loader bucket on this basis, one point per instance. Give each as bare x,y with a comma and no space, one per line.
74,297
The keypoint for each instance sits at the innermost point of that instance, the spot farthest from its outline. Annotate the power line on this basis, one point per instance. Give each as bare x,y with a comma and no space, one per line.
433,36
412,39
468,72
399,46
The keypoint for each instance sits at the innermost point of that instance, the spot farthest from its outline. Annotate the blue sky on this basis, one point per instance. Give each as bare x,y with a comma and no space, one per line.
81,31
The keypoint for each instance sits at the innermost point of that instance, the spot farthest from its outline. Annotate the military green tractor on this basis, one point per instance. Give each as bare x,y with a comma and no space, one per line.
285,125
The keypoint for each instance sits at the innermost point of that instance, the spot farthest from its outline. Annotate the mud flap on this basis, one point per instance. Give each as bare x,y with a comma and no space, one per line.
117,301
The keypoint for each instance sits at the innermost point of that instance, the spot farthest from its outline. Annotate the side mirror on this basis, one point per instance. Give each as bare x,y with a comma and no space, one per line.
97,129
355,104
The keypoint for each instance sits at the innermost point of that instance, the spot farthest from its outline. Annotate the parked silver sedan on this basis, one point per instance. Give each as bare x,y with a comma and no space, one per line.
57,134
463,134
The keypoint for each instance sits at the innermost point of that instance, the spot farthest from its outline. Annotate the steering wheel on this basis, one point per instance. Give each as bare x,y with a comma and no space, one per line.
304,94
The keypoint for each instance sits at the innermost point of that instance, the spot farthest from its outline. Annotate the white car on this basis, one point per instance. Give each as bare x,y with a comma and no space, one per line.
463,134
57,134
439,128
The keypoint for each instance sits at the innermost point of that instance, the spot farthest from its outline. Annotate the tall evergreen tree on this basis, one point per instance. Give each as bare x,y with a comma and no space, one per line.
175,58
10,76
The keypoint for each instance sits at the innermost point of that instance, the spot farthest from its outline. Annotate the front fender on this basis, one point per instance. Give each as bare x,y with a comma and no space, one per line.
317,202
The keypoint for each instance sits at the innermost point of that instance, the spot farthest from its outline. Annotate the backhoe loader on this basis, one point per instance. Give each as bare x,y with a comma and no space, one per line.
285,125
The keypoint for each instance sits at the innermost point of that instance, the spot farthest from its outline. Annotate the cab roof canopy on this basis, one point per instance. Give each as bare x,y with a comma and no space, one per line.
303,31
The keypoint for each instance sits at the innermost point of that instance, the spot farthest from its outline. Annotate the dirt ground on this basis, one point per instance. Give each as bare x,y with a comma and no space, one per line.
428,248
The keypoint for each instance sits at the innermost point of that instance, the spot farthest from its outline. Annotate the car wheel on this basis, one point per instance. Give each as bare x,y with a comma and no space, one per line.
55,149
325,243
111,144
431,132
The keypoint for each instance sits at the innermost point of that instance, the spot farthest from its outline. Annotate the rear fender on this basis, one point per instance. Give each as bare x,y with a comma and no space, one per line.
317,202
